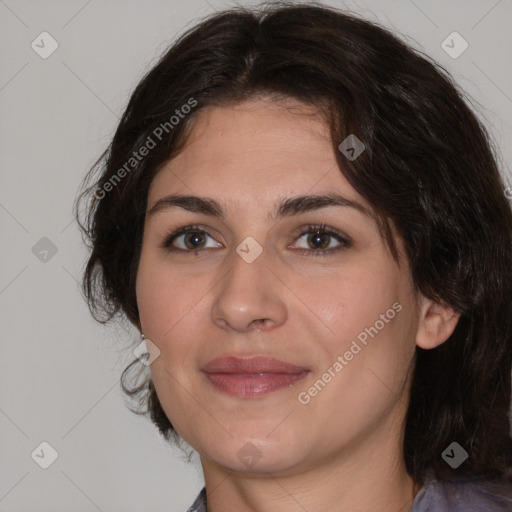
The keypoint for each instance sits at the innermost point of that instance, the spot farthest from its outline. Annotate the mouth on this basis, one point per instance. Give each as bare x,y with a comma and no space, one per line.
252,376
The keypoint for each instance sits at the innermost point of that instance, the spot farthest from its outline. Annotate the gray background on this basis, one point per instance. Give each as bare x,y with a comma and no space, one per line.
59,370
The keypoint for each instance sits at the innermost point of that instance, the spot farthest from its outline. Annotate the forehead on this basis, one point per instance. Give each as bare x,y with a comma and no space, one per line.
255,148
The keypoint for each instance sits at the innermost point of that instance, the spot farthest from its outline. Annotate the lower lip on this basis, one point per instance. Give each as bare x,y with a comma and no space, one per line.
253,385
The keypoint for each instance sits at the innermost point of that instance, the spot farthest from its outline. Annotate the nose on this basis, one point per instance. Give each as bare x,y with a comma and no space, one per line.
250,297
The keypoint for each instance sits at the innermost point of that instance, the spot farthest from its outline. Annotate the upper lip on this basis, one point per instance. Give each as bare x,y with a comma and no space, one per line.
249,365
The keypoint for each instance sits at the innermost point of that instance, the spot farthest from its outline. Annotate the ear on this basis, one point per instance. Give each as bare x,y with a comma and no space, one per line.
436,323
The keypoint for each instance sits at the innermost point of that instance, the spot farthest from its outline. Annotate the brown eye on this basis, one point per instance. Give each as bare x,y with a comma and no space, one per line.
188,239
319,240
322,241
194,239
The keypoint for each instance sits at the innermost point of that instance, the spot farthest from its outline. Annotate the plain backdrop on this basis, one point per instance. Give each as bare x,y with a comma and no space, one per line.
59,369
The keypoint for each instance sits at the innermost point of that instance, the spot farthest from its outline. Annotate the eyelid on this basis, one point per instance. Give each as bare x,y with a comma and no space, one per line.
344,241
169,239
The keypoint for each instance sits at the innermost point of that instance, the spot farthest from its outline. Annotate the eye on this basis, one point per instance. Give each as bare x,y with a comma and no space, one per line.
321,239
188,239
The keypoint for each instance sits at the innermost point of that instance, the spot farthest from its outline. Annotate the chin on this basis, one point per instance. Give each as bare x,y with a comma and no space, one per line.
256,454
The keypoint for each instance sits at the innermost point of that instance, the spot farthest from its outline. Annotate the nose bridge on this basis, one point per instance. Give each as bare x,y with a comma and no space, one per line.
248,261
247,277
249,291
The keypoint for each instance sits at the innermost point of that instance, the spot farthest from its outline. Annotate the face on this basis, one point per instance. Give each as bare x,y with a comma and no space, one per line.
312,319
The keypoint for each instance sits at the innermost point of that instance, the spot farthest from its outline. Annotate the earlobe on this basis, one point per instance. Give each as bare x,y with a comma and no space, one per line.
436,324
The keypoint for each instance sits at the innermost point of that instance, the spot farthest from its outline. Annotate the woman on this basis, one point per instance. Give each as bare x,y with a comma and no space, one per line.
307,225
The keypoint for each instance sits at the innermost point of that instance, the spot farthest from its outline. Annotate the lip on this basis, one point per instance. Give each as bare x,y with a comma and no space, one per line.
251,376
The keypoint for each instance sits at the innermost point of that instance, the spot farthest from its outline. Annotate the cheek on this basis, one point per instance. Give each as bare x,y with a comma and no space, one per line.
172,310
369,321
162,296
359,382
154,301
168,309
351,300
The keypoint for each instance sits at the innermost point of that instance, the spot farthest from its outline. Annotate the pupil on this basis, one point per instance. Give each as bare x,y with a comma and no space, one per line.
316,238
195,239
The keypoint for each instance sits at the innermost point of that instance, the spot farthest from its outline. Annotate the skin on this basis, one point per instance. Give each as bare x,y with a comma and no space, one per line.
342,450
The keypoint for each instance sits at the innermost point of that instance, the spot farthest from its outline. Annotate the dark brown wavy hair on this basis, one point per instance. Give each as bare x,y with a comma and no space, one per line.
429,170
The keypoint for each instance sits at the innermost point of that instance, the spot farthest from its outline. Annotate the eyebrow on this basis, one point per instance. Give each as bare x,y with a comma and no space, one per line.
285,208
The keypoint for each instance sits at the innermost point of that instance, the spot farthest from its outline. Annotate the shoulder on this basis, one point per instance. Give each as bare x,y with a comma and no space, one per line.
463,495
199,504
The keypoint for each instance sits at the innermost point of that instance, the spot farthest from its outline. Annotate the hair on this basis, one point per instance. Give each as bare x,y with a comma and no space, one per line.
429,171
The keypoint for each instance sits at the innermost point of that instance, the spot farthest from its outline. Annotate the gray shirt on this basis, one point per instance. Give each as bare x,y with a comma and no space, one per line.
460,495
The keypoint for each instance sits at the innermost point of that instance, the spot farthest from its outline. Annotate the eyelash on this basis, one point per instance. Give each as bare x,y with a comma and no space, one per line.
311,229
